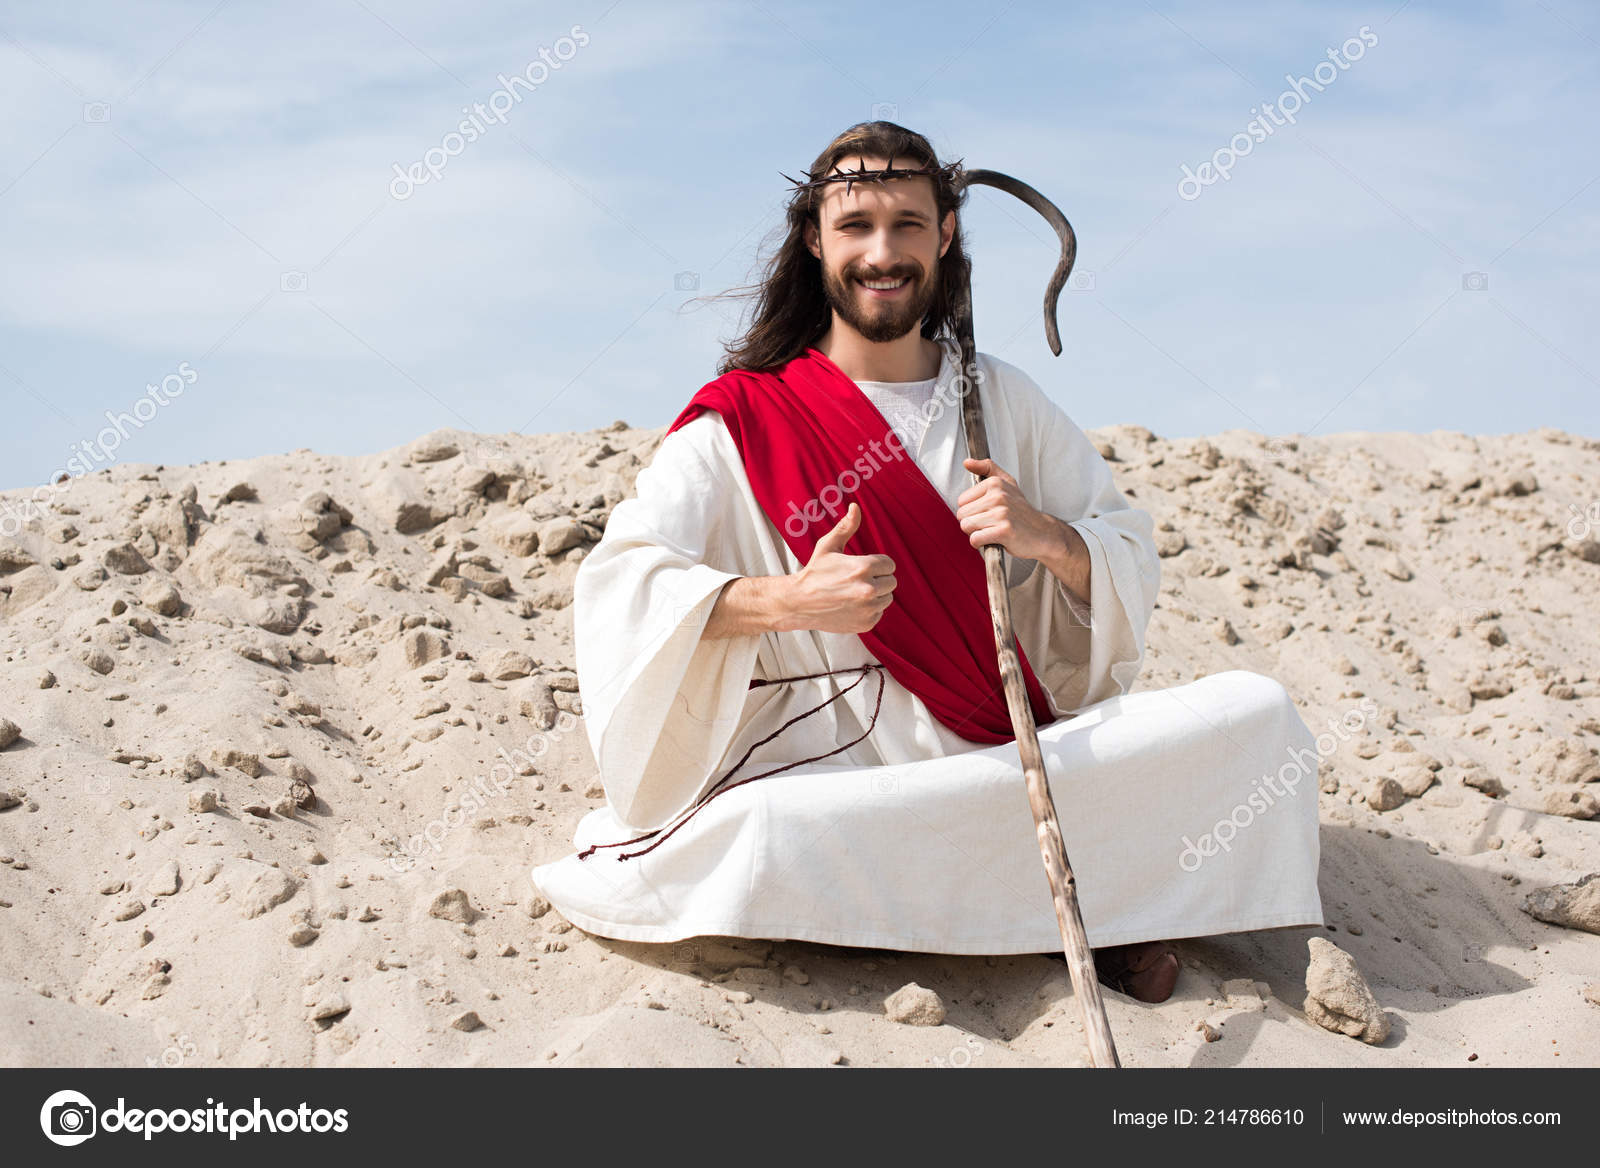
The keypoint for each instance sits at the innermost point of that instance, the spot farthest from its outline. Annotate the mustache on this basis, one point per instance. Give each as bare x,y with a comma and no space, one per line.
892,274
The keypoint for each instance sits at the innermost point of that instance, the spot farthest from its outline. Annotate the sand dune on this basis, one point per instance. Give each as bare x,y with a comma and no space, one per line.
249,810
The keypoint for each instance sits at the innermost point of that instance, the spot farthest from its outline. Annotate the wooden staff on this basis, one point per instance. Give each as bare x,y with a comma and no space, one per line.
1063,885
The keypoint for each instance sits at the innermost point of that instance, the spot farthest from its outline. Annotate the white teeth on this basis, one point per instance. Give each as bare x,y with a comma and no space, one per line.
884,285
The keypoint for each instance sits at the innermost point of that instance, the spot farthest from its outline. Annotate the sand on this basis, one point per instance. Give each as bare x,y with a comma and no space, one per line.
249,815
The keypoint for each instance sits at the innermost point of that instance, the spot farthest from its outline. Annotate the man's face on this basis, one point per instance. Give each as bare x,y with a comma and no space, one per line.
888,236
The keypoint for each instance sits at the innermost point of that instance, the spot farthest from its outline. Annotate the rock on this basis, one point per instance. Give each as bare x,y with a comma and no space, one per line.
1392,565
47,680
9,732
1208,1032
240,492
510,665
1337,996
128,909
241,760
516,532
453,904
14,558
536,906
912,1005
467,1020
559,535
421,646
401,500
1483,781
164,882
1170,543
301,795
435,447
162,597
1385,795
1591,993
1572,906
8,800
1587,550
258,888
202,801
332,1004
98,660
125,559
1224,632
1572,802
302,935
1413,780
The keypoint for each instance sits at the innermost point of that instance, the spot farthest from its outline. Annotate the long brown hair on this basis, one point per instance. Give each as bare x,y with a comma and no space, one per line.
791,311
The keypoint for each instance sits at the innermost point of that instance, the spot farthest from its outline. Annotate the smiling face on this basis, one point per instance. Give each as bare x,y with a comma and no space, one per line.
880,247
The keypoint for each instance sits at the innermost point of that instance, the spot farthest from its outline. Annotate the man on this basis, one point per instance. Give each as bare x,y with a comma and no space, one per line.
802,735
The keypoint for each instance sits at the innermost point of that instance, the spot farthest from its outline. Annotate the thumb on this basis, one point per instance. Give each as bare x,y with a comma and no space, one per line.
835,539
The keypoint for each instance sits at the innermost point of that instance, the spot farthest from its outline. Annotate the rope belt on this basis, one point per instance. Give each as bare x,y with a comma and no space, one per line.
718,788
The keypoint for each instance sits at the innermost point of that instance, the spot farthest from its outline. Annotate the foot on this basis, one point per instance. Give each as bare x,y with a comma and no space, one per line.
1146,972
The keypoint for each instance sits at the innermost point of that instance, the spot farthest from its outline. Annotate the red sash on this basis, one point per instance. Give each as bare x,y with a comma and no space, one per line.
812,443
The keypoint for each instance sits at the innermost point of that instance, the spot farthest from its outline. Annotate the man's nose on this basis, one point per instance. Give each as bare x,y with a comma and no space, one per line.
881,254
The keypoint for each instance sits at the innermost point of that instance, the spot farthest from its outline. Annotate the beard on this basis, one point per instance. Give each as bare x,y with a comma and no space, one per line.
880,321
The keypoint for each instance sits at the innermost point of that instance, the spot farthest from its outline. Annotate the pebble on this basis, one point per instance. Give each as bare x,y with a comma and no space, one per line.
913,1005
1338,997
453,904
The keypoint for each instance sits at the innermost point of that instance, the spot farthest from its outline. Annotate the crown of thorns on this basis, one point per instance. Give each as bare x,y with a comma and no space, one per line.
948,173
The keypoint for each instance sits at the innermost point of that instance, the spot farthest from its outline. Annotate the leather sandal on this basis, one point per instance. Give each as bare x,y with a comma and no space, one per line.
1146,971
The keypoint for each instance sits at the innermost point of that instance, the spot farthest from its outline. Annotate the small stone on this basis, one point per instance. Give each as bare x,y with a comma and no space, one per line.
1385,795
9,732
453,904
98,660
1338,997
125,559
467,1020
165,880
1223,631
302,935
511,665
333,1004
912,1005
128,909
1572,906
202,801
1207,1031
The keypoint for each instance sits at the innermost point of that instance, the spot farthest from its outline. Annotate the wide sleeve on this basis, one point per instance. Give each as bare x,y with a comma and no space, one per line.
1081,653
660,702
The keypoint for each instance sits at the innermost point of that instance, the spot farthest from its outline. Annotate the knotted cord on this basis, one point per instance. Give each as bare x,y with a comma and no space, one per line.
718,787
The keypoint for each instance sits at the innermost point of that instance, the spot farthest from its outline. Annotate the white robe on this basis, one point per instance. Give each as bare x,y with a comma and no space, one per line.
1183,811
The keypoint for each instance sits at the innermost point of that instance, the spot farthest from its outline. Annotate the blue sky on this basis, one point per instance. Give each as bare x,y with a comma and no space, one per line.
208,186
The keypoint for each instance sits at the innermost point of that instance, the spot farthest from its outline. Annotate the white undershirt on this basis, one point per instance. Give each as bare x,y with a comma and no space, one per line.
902,404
